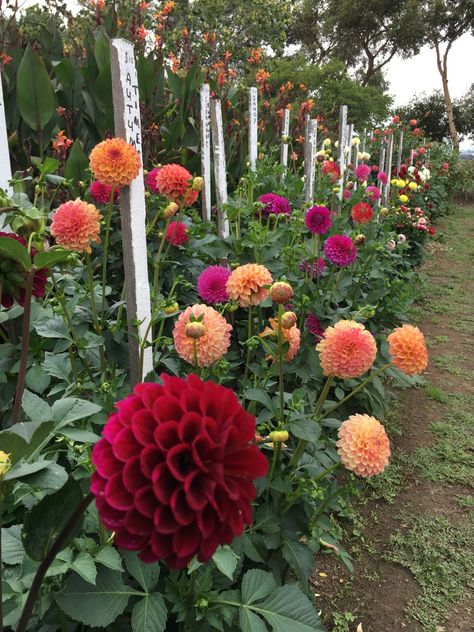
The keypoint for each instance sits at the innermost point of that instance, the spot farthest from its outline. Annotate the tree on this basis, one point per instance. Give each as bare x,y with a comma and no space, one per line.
445,21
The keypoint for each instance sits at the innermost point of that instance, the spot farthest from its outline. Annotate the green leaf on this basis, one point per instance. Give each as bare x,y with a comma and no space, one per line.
226,561
12,546
53,328
44,521
13,445
35,94
256,585
84,566
249,622
72,409
35,407
12,249
147,575
25,469
50,478
259,395
288,608
76,164
109,557
57,365
37,379
80,436
149,614
99,605
51,258
299,557
306,429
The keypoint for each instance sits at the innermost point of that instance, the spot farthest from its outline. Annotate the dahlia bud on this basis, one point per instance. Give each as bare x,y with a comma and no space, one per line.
359,239
391,245
171,309
195,330
281,292
5,463
413,186
170,210
279,435
413,122
403,198
401,238
198,183
288,320
383,212
396,119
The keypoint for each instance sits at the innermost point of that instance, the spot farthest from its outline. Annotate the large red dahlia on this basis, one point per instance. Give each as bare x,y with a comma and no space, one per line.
174,470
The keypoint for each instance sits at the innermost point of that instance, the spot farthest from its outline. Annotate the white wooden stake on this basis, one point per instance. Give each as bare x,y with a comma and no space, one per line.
400,152
206,152
253,128
412,151
388,168
364,139
349,142
219,167
343,136
5,168
132,204
284,141
310,158
382,156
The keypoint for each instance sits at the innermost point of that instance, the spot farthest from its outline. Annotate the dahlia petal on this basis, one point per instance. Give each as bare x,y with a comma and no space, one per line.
137,523
112,518
208,547
125,446
247,461
181,510
165,521
206,521
150,457
198,490
104,460
190,427
148,392
186,541
166,435
145,501
161,544
97,484
147,555
127,408
143,424
133,478
129,541
167,408
117,496
164,483
112,428
178,460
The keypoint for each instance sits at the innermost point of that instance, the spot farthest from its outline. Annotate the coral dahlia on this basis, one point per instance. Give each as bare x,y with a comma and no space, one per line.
175,182
331,168
115,162
291,335
246,284
363,445
347,350
75,224
175,468
211,346
362,213
408,349
211,284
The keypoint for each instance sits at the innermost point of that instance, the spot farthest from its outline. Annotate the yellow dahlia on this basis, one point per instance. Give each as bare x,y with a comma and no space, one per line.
115,162
75,224
246,284
291,335
363,445
346,350
211,345
408,349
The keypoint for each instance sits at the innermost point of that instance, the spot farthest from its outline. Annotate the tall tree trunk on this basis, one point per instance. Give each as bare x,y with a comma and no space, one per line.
443,71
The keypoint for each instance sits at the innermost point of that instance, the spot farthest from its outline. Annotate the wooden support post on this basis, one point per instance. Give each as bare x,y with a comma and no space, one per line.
343,136
400,152
253,128
132,205
285,131
5,168
206,152
388,169
220,169
311,139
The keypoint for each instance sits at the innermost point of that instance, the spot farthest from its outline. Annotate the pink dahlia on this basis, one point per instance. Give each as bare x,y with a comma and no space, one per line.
313,325
176,233
314,269
150,180
274,204
362,172
340,250
211,284
382,177
373,193
100,193
318,219
175,468
13,277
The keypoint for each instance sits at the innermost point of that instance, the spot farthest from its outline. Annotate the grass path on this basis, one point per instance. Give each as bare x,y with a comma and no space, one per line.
413,541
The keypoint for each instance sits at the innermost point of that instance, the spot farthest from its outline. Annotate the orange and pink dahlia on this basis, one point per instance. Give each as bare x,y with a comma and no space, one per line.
176,183
212,345
347,350
246,284
75,224
115,162
408,349
291,335
363,445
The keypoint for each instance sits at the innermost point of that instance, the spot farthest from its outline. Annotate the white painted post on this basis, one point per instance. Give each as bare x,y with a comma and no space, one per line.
382,156
364,139
5,167
412,151
400,152
311,139
220,168
206,152
132,205
284,140
349,142
253,128
388,168
343,136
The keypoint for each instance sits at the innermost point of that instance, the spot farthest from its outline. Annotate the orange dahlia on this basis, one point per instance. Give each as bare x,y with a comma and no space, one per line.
291,335
115,162
346,350
75,224
363,445
176,183
210,346
246,284
408,349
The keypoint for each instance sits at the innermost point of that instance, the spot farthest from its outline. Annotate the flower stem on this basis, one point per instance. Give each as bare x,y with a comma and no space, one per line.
106,251
249,335
95,317
25,342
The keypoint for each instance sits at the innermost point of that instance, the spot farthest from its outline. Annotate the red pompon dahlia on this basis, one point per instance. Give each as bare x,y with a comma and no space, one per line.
331,168
13,278
176,233
174,470
362,213
175,182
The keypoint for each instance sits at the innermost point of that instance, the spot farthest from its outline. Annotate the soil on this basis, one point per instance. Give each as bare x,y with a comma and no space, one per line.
376,596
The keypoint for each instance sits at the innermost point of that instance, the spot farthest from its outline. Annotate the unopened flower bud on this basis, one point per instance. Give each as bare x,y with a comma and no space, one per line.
170,210
195,330
279,435
171,309
383,212
198,183
281,292
359,239
391,245
288,320
5,463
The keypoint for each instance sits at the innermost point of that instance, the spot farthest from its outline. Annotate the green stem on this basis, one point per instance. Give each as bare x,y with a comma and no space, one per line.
106,251
249,335
95,316
156,274
1,561
25,342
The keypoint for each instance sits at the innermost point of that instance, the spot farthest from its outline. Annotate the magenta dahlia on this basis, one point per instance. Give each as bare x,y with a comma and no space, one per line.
314,327
13,277
174,470
314,269
274,204
150,180
340,250
211,284
101,193
373,193
318,219
362,172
